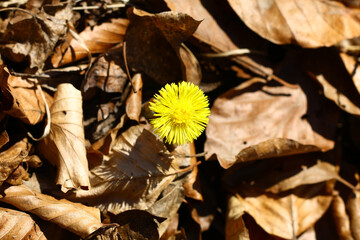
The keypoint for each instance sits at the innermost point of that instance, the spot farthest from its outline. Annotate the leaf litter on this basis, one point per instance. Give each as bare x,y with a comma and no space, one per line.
79,157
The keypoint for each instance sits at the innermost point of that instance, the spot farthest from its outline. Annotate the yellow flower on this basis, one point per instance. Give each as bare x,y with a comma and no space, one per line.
181,112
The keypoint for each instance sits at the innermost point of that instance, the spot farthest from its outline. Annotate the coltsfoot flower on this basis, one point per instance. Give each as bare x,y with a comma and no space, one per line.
181,112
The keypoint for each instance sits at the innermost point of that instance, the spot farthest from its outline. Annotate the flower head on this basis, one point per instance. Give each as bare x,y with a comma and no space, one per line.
181,112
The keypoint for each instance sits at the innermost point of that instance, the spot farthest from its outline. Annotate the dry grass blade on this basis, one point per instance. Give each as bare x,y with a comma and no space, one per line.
65,145
15,225
74,217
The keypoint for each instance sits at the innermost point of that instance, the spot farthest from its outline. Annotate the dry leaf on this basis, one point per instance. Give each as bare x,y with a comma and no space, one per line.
64,147
192,66
353,208
75,217
253,113
134,100
192,185
137,169
106,73
288,215
341,218
97,40
235,228
33,36
12,158
160,36
307,23
15,225
23,99
352,67
4,138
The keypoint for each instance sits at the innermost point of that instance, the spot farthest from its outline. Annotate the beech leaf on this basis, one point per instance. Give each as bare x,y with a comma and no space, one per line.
64,147
17,225
309,24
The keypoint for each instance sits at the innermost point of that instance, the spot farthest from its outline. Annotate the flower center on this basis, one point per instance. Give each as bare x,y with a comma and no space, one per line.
180,115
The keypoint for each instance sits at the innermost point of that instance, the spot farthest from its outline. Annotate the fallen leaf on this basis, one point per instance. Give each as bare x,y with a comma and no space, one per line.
23,99
160,36
97,40
235,228
352,67
12,158
4,138
33,36
353,208
75,217
134,100
64,147
288,215
253,113
137,224
309,24
192,184
341,218
17,225
133,175
192,65
106,74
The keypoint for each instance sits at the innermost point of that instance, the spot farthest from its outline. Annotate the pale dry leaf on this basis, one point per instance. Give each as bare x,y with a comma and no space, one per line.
132,176
353,208
134,100
288,215
307,23
253,113
160,37
309,234
341,218
216,29
352,66
16,225
97,40
23,99
75,217
235,228
192,66
12,158
320,172
64,147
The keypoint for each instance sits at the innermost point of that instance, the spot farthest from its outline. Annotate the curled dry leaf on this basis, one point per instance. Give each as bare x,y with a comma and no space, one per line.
64,147
307,23
235,228
160,36
132,176
253,113
97,40
33,35
353,208
12,158
352,66
341,218
75,217
22,98
18,225
134,100
287,215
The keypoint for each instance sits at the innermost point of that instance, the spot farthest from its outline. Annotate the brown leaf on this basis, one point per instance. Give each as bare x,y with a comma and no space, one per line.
307,23
353,207
65,145
341,218
4,138
97,40
12,158
160,36
352,67
106,74
253,113
137,169
23,99
192,66
288,215
192,184
17,225
76,218
235,228
134,100
33,35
